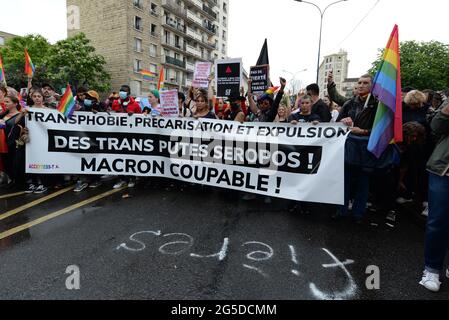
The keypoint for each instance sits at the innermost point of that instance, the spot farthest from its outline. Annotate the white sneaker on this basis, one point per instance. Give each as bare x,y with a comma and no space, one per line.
40,189
403,200
447,273
431,281
131,183
31,188
80,186
425,213
119,184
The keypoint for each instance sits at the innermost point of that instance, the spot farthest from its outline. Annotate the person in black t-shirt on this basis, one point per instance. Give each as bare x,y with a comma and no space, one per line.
305,115
319,107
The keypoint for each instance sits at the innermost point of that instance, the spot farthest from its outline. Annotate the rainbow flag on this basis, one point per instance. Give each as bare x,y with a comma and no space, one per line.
29,66
387,89
2,72
67,104
160,84
147,75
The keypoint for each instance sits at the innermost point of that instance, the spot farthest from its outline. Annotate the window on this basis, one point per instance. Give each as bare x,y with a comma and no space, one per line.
137,45
153,9
2,41
224,35
153,30
225,7
138,23
138,4
153,50
153,68
224,21
137,65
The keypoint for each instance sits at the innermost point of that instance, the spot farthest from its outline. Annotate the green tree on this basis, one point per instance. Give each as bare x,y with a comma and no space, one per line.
74,61
424,65
14,59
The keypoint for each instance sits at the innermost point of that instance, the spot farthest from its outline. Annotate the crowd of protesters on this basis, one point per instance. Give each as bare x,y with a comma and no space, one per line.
416,170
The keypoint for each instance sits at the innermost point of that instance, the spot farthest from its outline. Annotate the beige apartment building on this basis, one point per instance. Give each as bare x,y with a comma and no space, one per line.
339,64
4,36
152,34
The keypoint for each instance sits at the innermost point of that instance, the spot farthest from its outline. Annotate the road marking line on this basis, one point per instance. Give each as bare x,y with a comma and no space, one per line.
12,195
57,213
34,203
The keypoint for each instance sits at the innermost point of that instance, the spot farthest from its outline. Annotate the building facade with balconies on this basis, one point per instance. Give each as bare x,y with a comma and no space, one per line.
153,34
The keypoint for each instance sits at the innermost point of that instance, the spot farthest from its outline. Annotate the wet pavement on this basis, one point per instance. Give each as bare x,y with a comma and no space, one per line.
188,242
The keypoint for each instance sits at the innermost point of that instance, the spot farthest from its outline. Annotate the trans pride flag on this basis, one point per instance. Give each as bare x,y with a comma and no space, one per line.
387,126
29,66
67,104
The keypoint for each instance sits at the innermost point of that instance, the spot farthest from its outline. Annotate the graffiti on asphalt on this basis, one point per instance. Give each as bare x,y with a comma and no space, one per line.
180,243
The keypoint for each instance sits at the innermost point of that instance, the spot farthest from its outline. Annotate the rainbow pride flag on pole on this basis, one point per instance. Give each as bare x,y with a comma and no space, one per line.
29,66
387,89
2,72
67,104
148,75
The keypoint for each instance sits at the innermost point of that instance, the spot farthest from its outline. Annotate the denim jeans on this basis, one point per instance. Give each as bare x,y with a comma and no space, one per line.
361,186
437,232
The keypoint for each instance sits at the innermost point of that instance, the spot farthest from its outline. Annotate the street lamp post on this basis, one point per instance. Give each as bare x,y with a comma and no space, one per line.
322,12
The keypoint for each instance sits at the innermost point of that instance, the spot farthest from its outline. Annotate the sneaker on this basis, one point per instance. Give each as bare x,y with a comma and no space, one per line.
401,200
31,188
391,216
95,185
41,189
425,212
131,183
119,184
431,281
350,205
80,186
447,273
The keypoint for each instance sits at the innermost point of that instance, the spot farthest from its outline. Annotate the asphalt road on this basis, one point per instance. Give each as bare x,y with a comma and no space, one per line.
176,242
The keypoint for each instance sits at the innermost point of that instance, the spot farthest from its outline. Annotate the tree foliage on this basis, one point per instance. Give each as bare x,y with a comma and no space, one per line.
424,65
68,61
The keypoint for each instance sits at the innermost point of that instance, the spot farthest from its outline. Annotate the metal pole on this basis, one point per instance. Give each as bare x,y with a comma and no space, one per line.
319,50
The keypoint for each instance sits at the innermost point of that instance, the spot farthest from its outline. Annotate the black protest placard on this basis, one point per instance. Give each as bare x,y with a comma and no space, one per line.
228,77
260,76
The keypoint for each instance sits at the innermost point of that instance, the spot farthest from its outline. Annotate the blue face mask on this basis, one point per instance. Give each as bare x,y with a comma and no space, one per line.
87,102
123,95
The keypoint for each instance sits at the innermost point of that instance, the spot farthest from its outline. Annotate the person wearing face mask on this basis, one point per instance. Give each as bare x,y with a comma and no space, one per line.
235,112
126,103
266,109
92,102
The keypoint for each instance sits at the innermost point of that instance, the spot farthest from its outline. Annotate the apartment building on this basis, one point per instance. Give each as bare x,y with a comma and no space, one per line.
153,34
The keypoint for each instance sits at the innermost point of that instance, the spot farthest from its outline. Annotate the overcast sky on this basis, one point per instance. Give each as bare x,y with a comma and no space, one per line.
292,29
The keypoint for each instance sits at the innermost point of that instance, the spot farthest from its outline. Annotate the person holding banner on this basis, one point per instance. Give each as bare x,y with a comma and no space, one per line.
266,109
154,99
306,114
126,103
13,123
203,110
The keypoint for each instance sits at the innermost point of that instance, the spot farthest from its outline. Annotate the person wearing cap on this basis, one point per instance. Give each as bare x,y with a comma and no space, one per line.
234,111
92,102
50,99
266,109
155,109
126,103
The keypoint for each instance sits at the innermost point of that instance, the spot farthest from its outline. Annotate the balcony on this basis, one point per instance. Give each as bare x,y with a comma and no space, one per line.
197,3
175,46
174,8
175,62
190,67
209,26
209,12
193,51
174,25
193,17
192,34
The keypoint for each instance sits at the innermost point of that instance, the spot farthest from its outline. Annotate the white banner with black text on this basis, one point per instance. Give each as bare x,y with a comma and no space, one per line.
299,162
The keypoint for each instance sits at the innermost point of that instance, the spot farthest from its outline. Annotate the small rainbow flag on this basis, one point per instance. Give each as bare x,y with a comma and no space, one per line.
67,104
272,90
387,126
160,84
2,72
147,75
29,66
